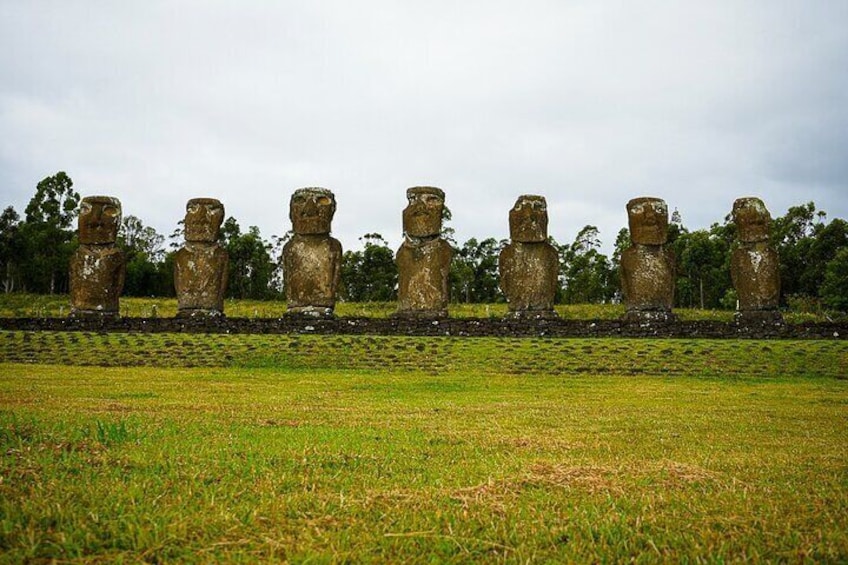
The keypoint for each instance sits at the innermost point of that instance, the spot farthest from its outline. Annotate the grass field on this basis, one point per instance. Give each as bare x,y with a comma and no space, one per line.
17,305
163,447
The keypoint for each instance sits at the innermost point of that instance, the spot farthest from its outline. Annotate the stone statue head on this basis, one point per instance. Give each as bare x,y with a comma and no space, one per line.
99,219
752,219
528,219
203,219
422,216
311,210
648,220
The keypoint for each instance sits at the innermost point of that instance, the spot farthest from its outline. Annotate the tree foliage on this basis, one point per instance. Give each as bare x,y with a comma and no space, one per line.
47,235
251,267
474,271
147,273
586,274
370,274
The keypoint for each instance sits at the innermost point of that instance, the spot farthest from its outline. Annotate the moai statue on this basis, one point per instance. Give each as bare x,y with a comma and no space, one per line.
647,266
98,266
528,265
424,258
754,264
201,267
312,259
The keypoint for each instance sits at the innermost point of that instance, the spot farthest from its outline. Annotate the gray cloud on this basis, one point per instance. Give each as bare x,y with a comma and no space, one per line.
587,103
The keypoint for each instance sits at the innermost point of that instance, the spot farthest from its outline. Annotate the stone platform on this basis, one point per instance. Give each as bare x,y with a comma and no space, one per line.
471,327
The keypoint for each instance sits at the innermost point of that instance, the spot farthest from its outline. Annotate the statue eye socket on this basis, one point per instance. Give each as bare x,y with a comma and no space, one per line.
85,208
110,211
324,201
432,201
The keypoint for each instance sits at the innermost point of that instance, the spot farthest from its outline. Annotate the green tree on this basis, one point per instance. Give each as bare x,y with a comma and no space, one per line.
834,289
144,251
703,271
47,234
806,244
790,234
251,267
370,274
474,271
820,249
11,248
587,275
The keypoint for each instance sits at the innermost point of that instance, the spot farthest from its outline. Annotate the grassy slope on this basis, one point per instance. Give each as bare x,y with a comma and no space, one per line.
444,449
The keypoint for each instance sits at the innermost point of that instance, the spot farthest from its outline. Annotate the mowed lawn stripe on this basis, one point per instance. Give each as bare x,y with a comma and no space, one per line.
599,356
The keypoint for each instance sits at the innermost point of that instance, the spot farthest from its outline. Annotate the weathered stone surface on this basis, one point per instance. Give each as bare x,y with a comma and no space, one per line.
529,264
311,258
648,266
459,327
201,267
423,270
203,220
97,268
754,264
647,218
752,219
422,216
424,258
528,219
311,210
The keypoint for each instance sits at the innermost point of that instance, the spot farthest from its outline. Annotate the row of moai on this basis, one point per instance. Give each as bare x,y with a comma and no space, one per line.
528,264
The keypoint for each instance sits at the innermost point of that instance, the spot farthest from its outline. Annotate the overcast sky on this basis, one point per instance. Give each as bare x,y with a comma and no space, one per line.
589,103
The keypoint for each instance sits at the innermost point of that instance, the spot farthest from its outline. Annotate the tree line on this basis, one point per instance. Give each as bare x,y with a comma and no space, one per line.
35,251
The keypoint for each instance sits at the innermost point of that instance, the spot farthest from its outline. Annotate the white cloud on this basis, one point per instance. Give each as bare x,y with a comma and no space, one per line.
587,103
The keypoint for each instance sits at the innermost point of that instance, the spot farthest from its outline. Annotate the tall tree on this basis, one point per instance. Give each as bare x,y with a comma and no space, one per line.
143,248
790,235
834,289
703,272
370,275
586,274
826,240
48,233
251,267
474,271
11,248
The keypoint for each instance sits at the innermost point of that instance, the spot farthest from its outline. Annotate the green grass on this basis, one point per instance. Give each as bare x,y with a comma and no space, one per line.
163,447
17,305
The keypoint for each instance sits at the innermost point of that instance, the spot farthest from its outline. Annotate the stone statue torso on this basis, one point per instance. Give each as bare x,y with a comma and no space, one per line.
755,271
200,276
423,271
529,275
647,277
97,275
312,270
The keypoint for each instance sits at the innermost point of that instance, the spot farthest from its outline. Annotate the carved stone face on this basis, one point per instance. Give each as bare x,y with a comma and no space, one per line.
99,219
422,217
203,219
752,219
648,220
311,210
528,219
